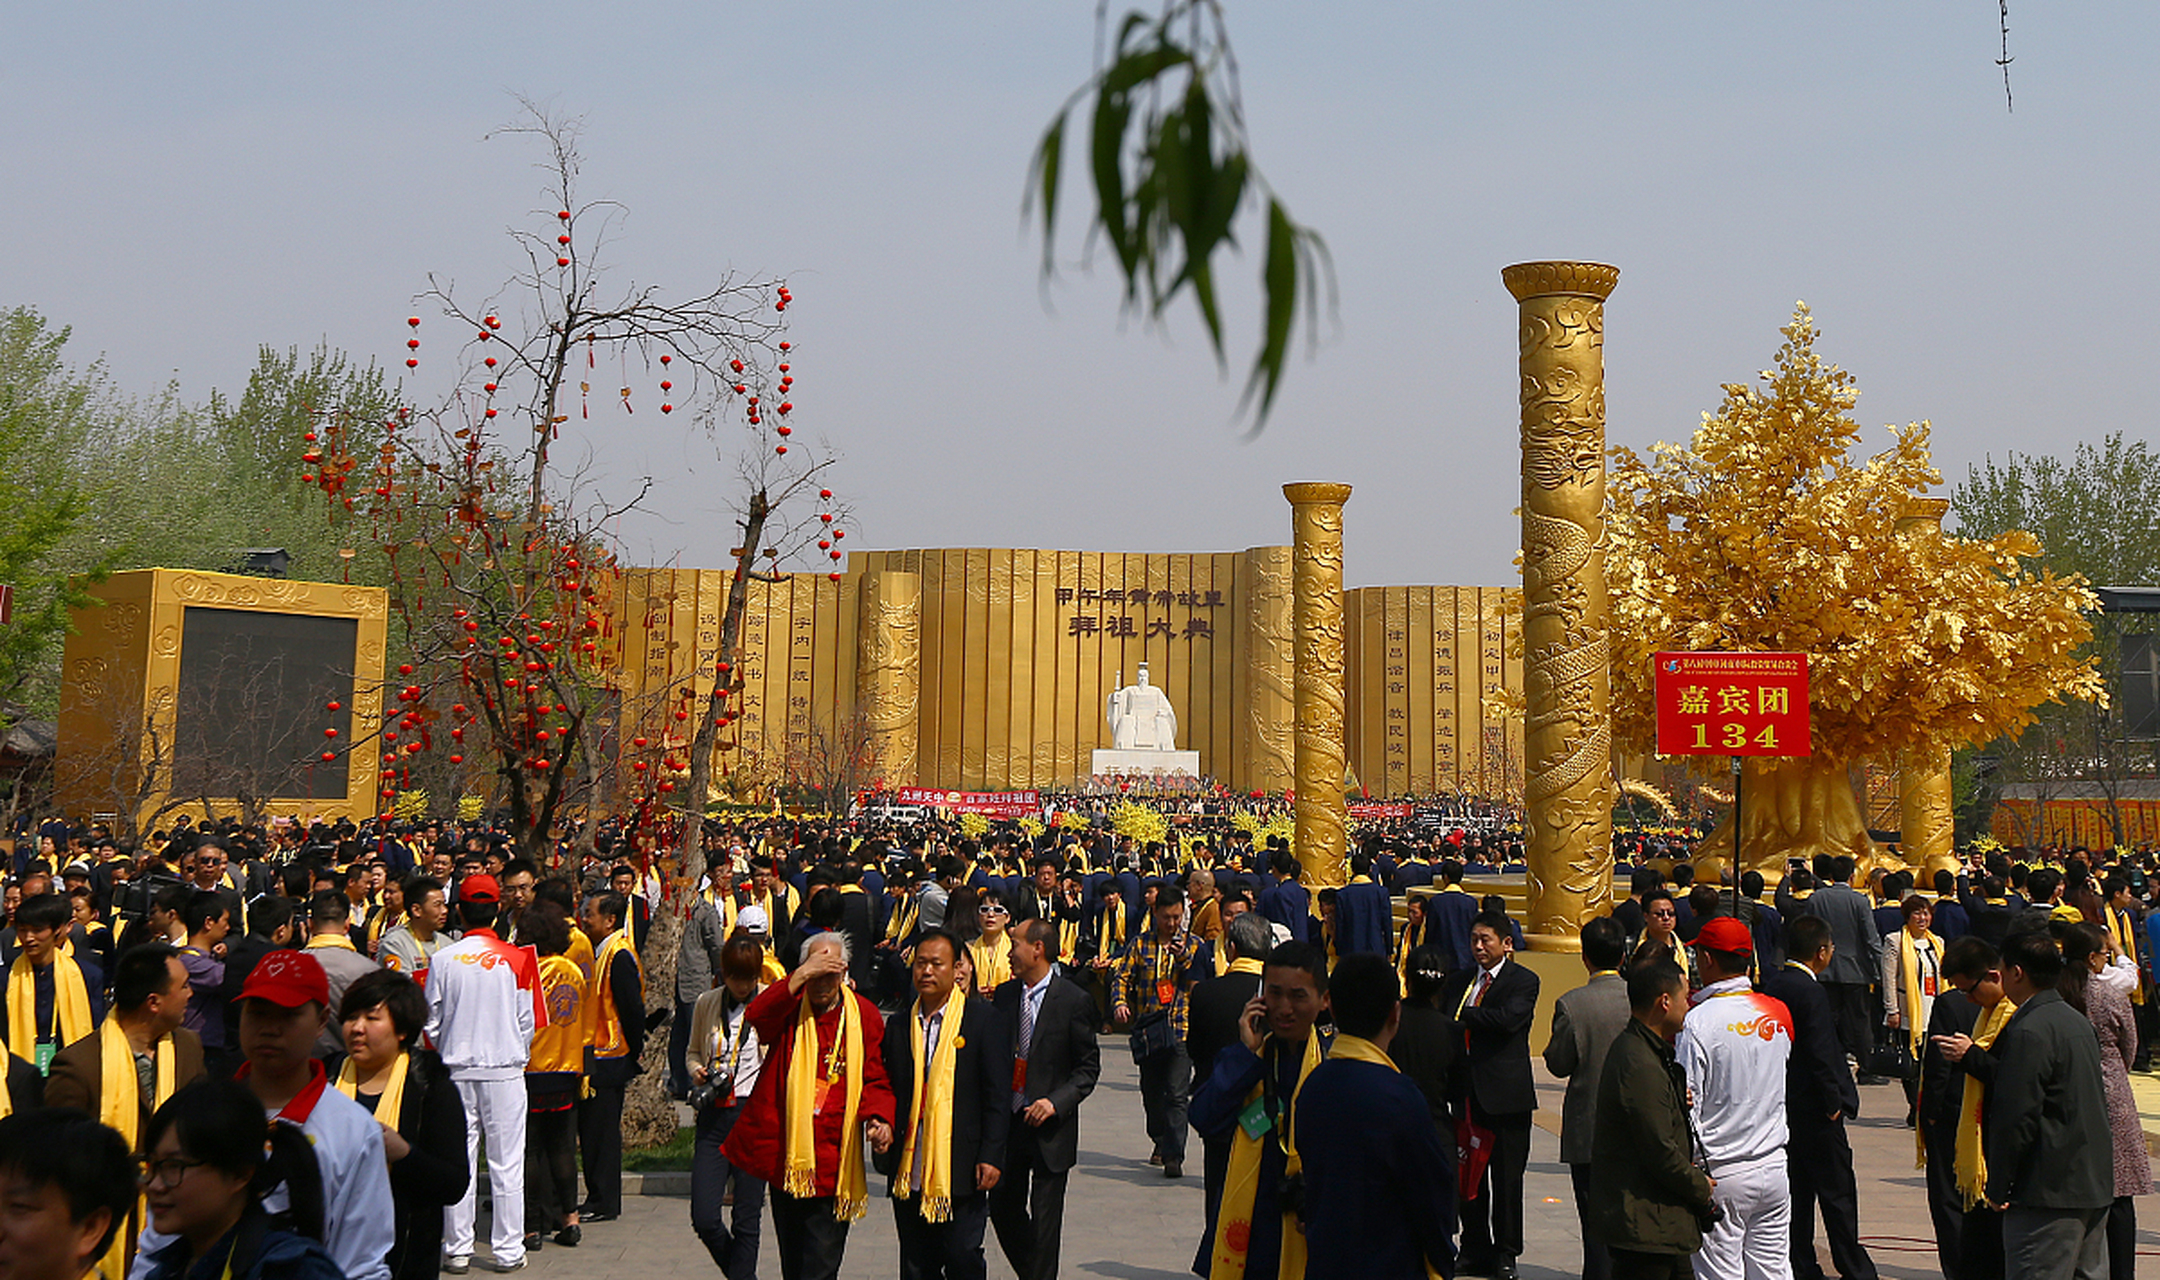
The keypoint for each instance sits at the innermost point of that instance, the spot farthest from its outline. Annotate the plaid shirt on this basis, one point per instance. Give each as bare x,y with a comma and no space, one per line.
1149,962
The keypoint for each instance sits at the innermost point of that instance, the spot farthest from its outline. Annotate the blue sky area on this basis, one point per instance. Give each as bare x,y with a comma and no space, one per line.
189,181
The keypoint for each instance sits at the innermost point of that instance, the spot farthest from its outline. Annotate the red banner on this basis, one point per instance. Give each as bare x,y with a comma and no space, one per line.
997,804
1732,704
1378,812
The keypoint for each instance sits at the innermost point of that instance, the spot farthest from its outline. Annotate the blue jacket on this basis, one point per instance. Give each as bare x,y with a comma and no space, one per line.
1379,1180
1288,904
1364,919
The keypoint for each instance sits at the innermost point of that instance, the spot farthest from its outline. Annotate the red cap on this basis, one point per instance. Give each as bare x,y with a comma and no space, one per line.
287,978
1723,933
479,888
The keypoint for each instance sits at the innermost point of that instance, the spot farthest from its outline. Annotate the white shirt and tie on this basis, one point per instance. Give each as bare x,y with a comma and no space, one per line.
1031,998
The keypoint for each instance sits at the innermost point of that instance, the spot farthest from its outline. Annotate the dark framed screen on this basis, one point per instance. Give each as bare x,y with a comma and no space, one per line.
253,701
2140,686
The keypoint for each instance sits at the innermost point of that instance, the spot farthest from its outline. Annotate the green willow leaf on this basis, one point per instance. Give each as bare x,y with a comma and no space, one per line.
1279,278
1043,174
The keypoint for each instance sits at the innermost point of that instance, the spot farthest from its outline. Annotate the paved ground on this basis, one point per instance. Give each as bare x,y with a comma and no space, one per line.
1124,1221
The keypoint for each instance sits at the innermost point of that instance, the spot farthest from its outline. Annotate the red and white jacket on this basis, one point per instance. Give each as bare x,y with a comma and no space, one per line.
1734,1046
484,1003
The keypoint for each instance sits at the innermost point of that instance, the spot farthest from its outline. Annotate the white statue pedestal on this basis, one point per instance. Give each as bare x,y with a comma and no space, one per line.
1145,764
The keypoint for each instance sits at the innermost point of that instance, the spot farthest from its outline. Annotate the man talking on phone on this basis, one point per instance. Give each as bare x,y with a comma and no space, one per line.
1245,1102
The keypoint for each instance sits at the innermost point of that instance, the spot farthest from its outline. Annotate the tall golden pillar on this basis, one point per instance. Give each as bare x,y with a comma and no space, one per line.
1316,576
1567,680
1926,802
888,682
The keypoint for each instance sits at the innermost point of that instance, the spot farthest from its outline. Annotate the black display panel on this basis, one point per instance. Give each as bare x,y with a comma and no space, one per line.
253,702
2140,686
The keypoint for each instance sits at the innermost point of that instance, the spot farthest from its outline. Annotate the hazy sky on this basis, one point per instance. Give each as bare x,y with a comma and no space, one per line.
185,182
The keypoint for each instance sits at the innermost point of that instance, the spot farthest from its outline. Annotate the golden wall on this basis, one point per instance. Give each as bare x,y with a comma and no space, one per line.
1018,651
1420,662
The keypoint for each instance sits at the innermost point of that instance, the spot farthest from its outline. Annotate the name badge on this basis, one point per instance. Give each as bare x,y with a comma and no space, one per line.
1019,1075
1927,985
45,1051
1255,1120
1165,993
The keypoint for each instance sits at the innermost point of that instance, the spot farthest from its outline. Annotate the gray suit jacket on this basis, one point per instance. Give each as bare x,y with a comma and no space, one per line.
2047,1137
1852,932
1585,1023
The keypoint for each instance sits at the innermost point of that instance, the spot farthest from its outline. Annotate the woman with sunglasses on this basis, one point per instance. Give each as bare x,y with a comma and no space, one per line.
210,1164
992,952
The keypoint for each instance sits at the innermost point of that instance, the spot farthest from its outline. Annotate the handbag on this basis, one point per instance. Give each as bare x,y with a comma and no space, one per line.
1151,1035
1892,1056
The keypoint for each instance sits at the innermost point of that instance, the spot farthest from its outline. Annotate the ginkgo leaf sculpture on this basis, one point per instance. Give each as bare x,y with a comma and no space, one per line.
1765,532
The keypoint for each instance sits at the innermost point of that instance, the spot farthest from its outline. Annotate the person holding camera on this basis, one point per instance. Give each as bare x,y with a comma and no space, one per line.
724,1056
1649,1201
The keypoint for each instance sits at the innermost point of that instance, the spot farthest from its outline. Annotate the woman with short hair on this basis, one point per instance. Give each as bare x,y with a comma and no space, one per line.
409,1092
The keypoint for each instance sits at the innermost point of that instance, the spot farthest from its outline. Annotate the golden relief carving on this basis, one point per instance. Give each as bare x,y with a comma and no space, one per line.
1316,558
888,679
1926,800
1266,725
1567,736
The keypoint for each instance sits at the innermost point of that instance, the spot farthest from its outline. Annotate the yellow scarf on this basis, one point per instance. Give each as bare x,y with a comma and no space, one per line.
2065,911
1909,970
1971,1157
1112,940
992,967
1241,1184
904,916
932,1110
1244,965
120,1108
71,1007
331,942
851,1194
2119,927
392,1100
1068,932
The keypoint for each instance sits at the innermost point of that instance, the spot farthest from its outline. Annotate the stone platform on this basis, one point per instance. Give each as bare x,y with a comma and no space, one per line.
1145,764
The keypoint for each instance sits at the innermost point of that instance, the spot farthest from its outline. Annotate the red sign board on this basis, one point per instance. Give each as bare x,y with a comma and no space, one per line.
1732,704
997,804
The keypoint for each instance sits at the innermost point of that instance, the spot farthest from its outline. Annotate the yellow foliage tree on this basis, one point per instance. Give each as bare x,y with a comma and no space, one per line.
1764,533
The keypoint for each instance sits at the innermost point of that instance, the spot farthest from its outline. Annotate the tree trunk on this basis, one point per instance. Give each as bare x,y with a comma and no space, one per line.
1792,808
725,686
649,1117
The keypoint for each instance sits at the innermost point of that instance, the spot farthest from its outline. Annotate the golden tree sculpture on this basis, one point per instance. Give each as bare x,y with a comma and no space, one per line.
1764,532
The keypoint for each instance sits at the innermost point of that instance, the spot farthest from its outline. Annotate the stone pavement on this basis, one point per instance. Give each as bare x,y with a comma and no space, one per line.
1125,1221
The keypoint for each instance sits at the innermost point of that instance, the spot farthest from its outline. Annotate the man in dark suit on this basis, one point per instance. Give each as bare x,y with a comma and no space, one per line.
2050,1156
1965,963
1448,914
1054,1067
1039,901
1855,944
1585,1023
966,1056
1286,902
1495,1001
1364,915
1819,1095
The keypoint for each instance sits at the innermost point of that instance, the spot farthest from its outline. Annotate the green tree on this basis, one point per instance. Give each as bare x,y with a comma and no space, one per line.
2096,513
48,416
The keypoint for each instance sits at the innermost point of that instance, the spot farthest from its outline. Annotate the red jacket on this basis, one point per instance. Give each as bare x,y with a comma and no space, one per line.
756,1143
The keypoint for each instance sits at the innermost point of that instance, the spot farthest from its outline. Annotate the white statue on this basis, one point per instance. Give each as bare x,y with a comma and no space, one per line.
1141,717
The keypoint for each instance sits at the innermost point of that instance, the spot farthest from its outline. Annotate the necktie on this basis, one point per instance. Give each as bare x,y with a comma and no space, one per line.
1027,1025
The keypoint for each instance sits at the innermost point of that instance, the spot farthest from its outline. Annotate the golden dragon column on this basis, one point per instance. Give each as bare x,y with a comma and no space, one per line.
1926,802
1567,679
1316,571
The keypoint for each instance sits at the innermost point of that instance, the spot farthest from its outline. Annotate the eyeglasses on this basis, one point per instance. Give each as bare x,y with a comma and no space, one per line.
991,909
167,1172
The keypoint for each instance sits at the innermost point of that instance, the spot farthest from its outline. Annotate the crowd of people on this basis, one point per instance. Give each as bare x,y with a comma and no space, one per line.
428,1021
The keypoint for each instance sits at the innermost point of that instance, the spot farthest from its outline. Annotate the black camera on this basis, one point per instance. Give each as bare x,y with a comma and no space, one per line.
718,1089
